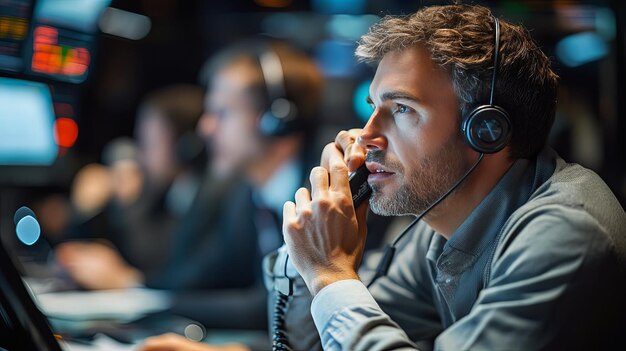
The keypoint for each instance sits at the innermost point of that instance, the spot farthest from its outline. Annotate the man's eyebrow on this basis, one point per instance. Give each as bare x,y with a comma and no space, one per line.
399,95
394,95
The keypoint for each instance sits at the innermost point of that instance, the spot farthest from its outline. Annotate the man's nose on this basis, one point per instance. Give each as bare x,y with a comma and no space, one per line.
371,137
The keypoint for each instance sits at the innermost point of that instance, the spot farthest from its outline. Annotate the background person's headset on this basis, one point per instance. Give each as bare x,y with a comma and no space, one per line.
280,115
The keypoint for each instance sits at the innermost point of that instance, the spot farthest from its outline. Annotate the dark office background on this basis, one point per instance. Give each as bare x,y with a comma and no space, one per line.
585,40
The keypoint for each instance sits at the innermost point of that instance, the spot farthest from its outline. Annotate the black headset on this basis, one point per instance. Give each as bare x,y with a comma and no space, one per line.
487,128
280,116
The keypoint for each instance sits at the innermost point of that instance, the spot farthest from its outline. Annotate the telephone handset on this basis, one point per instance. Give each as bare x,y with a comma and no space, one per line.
361,191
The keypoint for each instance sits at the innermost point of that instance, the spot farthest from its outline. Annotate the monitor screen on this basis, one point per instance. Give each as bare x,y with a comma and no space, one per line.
14,28
80,15
54,39
26,123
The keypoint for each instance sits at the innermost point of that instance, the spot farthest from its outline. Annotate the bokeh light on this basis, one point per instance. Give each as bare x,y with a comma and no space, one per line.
65,132
28,230
362,109
578,49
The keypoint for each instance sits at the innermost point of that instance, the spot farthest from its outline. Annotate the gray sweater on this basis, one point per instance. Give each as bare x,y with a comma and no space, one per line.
539,264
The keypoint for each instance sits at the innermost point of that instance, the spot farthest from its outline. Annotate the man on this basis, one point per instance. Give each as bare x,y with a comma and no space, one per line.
526,251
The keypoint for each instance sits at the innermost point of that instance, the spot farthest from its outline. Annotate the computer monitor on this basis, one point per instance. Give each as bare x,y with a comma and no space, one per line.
22,325
26,123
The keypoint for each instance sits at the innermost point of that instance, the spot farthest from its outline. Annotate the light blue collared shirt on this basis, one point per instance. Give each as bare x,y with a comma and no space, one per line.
279,188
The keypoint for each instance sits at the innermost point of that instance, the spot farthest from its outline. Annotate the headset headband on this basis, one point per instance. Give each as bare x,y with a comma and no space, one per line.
273,74
496,50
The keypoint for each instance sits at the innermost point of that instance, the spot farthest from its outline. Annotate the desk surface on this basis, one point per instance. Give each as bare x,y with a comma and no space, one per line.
104,318
115,305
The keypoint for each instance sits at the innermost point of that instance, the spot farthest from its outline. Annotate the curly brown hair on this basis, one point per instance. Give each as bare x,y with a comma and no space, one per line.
460,39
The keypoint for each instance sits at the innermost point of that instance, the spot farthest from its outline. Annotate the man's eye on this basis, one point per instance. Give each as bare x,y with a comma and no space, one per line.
403,109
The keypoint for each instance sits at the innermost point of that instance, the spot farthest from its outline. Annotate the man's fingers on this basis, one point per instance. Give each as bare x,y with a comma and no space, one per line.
329,149
338,173
303,200
319,182
354,158
345,138
289,214
353,154
289,211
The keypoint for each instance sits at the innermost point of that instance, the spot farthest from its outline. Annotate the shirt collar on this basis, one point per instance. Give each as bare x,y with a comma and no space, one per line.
280,187
514,189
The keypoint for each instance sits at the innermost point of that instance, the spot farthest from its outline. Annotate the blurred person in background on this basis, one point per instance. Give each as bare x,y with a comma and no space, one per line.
214,264
260,123
99,191
127,178
135,203
216,267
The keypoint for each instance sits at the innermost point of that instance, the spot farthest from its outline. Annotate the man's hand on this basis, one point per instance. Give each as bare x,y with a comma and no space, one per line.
175,342
97,266
324,236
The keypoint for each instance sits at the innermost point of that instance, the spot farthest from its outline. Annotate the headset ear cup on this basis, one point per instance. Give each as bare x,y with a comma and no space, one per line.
281,115
279,119
268,124
487,129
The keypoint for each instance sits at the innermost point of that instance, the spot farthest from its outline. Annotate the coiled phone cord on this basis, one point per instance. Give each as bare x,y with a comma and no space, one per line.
280,341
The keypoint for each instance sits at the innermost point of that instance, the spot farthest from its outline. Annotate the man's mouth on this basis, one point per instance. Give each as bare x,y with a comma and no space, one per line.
378,172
